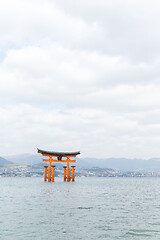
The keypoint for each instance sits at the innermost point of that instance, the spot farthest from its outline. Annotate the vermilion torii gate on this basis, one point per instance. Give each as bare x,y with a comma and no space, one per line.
69,174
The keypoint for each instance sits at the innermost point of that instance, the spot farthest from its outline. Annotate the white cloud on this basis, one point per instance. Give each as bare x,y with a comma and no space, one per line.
94,132
80,75
60,77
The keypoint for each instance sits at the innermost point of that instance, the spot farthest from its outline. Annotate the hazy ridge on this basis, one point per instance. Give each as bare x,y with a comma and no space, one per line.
3,161
122,164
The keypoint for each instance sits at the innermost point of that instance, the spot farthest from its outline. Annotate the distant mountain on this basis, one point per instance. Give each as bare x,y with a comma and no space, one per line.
3,162
85,163
122,164
36,159
25,158
125,164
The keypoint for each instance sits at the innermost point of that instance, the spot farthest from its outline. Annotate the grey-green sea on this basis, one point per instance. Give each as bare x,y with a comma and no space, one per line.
89,208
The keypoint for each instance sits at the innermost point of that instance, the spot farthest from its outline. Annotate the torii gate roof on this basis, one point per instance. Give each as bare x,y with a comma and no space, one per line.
53,153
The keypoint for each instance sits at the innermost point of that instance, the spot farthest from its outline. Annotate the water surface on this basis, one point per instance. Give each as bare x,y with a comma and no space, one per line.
90,208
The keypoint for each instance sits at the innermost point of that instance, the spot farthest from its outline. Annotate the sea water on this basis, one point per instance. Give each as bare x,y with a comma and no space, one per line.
89,208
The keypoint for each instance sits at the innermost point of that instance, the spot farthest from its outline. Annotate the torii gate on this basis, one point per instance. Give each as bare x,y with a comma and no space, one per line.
49,170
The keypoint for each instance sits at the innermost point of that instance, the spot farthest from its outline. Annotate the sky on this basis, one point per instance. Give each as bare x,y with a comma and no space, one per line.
80,75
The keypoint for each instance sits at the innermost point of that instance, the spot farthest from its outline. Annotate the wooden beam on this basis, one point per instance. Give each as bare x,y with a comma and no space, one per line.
48,160
50,155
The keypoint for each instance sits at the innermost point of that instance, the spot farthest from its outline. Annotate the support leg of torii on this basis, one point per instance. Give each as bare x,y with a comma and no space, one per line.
53,167
49,170
73,176
45,173
68,171
64,173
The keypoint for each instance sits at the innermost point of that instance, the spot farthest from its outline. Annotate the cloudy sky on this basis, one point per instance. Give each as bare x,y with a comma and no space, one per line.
80,75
